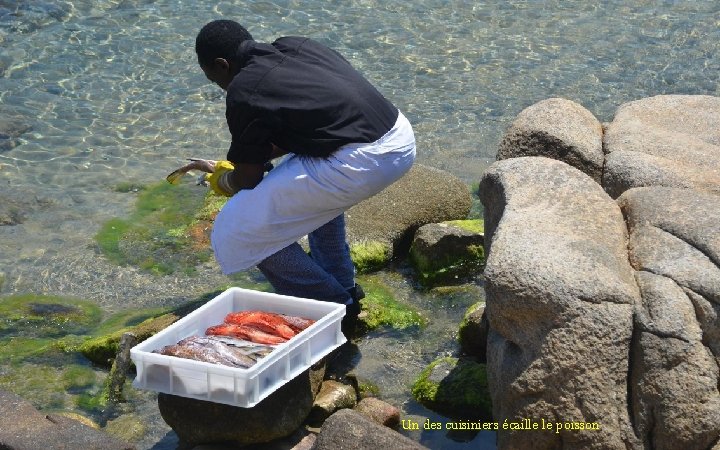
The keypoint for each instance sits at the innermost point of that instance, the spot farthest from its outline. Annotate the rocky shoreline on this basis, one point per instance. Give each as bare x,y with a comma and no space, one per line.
601,265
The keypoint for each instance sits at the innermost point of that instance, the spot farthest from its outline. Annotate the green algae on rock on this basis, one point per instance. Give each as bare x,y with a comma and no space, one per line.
472,332
380,308
370,256
128,427
102,349
448,252
45,316
167,232
454,387
52,384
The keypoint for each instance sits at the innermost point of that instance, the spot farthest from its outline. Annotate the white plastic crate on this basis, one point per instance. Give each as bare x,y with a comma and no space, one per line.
230,385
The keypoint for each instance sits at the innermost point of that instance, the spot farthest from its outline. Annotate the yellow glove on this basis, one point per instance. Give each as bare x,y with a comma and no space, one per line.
219,179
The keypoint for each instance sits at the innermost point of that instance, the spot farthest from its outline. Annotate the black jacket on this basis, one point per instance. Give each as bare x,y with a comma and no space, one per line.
303,97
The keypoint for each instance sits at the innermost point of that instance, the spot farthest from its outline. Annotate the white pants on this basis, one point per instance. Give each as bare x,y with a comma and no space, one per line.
303,193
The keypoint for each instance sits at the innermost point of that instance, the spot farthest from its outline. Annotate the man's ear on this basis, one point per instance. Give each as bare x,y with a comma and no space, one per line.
221,64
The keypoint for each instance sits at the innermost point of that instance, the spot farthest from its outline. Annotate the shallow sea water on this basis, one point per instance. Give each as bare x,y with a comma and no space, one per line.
93,93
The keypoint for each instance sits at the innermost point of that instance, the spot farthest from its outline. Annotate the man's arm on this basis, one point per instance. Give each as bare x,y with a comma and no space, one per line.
245,176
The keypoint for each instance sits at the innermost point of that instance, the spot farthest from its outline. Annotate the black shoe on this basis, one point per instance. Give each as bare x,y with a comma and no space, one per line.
352,311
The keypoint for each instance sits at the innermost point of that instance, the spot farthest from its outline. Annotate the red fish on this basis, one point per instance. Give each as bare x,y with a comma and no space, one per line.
245,332
297,323
265,321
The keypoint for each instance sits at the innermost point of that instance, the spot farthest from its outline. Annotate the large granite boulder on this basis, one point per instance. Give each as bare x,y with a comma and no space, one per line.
675,247
383,226
560,129
351,430
560,298
279,415
22,427
668,140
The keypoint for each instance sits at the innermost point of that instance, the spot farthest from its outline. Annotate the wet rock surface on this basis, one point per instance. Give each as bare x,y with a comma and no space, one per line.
22,427
444,253
349,430
279,415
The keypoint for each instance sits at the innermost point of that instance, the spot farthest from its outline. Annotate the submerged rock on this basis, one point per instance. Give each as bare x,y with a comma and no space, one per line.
454,387
45,316
447,253
24,427
381,309
11,129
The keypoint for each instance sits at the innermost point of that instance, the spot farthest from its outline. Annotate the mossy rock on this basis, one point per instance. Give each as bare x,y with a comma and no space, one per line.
476,226
103,347
370,256
128,427
457,388
448,252
382,309
55,384
167,232
473,331
46,316
19,348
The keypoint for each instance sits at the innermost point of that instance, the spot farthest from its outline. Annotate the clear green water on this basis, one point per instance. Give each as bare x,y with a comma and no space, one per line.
93,93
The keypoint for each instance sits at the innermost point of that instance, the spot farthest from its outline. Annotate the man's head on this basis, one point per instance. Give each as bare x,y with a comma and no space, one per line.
216,46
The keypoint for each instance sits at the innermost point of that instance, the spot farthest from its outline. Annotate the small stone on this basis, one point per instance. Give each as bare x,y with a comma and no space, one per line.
332,397
379,411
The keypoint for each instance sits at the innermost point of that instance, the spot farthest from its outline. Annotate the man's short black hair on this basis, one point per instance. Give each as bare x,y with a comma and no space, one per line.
219,39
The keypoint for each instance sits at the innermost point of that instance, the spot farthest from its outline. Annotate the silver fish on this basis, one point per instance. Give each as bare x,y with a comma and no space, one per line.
201,348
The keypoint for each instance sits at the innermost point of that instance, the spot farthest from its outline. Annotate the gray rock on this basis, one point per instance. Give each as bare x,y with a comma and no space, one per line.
674,246
560,298
676,233
473,332
560,129
333,396
279,415
668,140
351,430
379,411
22,427
676,403
444,253
424,195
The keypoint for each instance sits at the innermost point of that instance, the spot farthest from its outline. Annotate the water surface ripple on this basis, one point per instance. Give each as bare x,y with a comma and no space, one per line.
93,93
